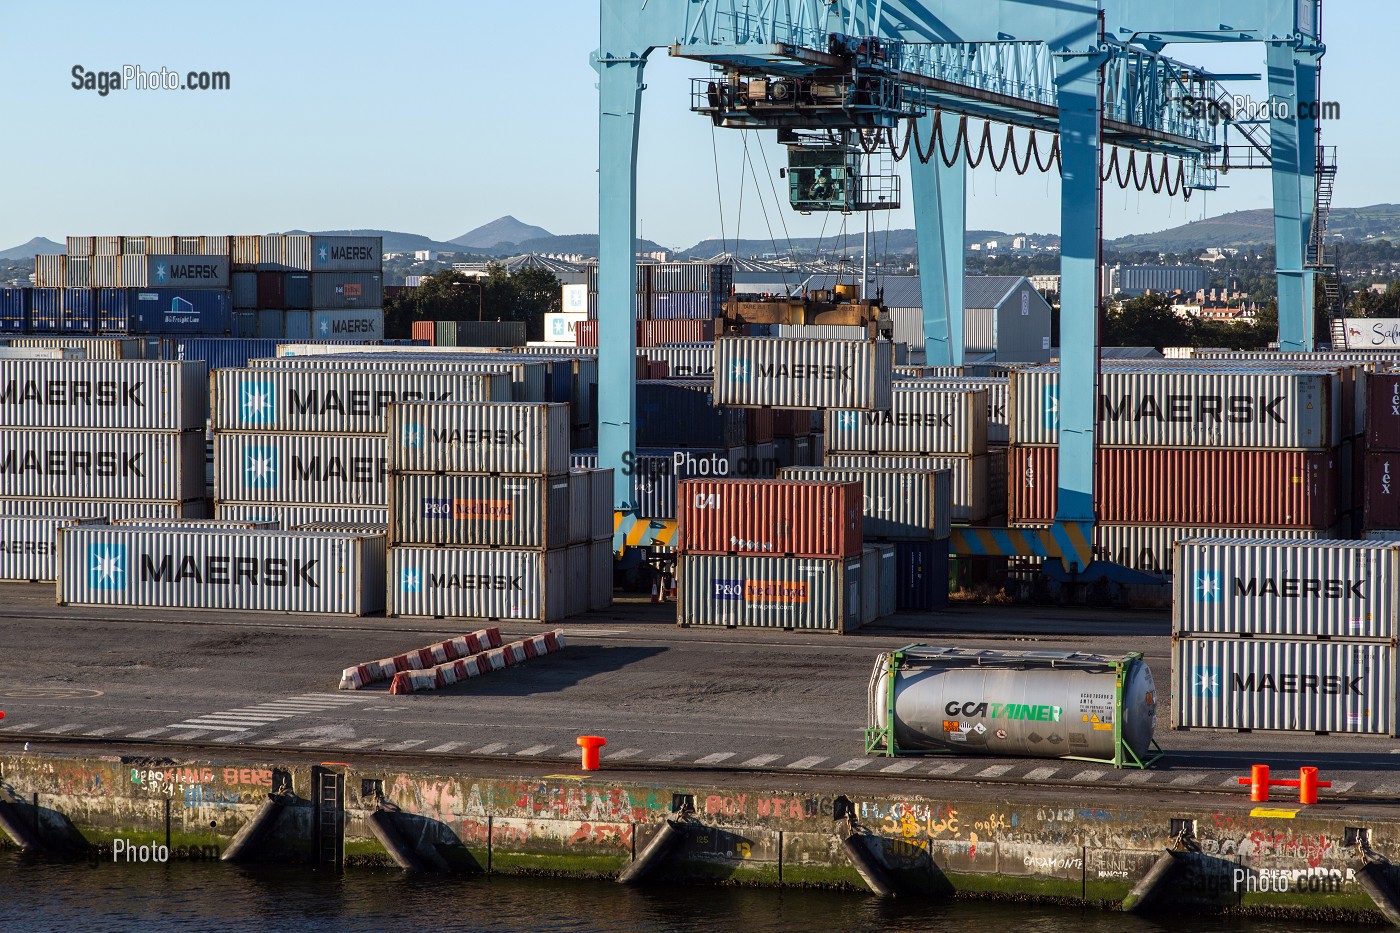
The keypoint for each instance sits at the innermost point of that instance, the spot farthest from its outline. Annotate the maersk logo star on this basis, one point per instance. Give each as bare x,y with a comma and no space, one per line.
411,581
107,566
323,254
258,401
413,436
1052,407
162,272
1208,586
260,467
1205,682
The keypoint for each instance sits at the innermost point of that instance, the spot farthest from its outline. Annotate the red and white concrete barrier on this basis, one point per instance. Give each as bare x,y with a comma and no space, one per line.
444,652
445,675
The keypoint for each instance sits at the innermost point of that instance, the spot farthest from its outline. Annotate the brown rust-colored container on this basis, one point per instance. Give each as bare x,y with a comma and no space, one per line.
586,334
656,333
758,425
1383,411
1225,488
424,330
1382,502
777,517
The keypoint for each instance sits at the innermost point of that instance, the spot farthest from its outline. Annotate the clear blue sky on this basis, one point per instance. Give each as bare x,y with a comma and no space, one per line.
434,117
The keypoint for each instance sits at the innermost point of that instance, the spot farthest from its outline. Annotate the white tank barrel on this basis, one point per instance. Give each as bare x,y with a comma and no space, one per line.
1039,704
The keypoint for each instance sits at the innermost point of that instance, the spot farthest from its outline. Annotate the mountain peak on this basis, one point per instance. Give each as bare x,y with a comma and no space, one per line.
501,230
34,247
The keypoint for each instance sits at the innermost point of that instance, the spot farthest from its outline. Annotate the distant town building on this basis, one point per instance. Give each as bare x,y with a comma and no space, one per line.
1018,242
1046,284
1132,281
1217,253
425,255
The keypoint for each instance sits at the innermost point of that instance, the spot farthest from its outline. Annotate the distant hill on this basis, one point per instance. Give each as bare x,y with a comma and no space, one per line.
501,231
395,242
1241,229
33,248
585,244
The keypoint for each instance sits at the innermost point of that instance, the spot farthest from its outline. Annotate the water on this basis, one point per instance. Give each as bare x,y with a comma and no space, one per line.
108,898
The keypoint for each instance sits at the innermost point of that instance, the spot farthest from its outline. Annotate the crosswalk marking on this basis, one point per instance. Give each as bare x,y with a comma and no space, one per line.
855,764
269,741
994,771
1090,775
623,753
489,749
899,767
403,746
951,768
445,747
208,725
226,737
18,727
147,733
104,730
811,761
533,750
667,756
1183,780
186,736
59,730
714,759
759,761
1137,777
1041,774
358,743
1341,787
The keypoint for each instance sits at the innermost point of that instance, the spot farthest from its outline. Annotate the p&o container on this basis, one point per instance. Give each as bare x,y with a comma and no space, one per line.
277,571
821,594
780,517
476,510
775,372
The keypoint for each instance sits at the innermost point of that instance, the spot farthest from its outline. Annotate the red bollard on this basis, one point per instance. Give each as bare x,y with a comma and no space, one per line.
1308,785
1258,782
590,745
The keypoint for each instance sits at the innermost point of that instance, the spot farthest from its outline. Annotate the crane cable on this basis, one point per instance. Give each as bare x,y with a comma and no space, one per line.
1159,181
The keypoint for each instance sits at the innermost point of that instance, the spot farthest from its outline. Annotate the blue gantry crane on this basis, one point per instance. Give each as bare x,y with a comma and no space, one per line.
1091,72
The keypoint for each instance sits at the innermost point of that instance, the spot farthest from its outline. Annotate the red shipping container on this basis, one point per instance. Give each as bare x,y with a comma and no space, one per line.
1382,492
778,517
758,425
1224,488
269,289
424,330
586,334
656,333
1383,411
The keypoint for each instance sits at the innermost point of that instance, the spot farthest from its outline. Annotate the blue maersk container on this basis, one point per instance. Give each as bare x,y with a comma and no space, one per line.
45,310
79,310
14,310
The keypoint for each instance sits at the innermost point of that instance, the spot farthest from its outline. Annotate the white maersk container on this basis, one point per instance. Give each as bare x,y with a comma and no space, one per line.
1253,684
1166,406
306,469
1149,548
497,584
1344,590
29,547
283,515
978,483
335,402
575,300
484,437
922,420
101,465
276,571
105,509
560,327
773,372
527,378
101,395
998,391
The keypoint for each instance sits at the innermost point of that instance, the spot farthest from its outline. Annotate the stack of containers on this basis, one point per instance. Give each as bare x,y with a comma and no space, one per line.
1285,636
1380,459
785,372
774,553
1188,451
308,445
487,521
673,290
304,287
101,438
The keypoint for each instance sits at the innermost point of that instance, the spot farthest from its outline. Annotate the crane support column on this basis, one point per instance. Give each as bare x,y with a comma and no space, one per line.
619,105
1305,64
940,222
1079,83
1291,232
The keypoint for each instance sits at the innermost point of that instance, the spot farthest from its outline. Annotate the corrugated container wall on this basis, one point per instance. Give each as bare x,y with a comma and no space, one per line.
30,551
284,253
309,469
347,253
96,395
528,379
685,414
50,271
347,290
924,420
1239,684
107,245
998,393
1287,589
770,592
429,437
1383,412
1150,548
110,509
294,516
343,402
772,372
349,324
80,246
474,510
537,586
796,519
94,348
1265,488
102,464
978,483
898,505
275,571
1177,408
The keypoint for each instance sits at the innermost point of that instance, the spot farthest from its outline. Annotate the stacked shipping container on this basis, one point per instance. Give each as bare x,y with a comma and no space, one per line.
486,520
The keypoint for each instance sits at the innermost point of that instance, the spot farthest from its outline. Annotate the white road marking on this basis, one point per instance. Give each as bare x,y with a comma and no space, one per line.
489,749
359,743
147,733
759,761
231,737
104,730
18,726
1183,780
994,771
1137,777
338,697
236,717
186,736
623,753
811,761
1040,774
668,756
533,750
899,767
445,747
1339,787
209,725
269,741
1090,775
947,769
714,759
855,764
59,730
403,746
